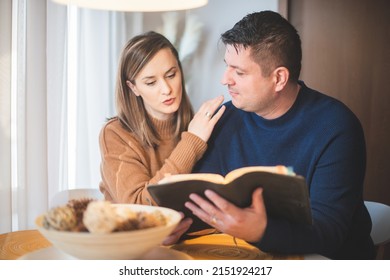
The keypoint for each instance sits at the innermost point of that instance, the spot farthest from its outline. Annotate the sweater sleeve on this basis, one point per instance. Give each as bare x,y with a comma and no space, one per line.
126,167
183,157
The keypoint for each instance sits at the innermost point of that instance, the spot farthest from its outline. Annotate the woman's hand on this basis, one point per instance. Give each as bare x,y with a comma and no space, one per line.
203,123
183,226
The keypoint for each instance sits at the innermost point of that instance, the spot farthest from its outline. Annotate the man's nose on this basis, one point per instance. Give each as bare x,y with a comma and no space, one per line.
226,78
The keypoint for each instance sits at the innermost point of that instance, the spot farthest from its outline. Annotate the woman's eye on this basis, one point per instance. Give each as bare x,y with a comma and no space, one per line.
171,76
150,83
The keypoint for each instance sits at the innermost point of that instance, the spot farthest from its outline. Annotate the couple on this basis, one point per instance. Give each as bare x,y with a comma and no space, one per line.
273,118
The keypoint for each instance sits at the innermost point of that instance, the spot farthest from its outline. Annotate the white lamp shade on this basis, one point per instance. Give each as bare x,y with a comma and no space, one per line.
136,5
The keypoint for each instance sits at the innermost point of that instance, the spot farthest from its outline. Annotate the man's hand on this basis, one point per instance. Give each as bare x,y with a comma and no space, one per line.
245,223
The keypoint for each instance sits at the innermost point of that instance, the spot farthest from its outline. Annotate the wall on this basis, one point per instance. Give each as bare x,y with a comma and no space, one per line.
205,69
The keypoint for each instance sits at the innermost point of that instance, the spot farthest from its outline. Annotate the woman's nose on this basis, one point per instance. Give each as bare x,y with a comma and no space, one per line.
166,88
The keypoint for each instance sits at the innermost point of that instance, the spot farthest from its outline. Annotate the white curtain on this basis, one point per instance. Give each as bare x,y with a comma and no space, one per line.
101,35
5,115
58,78
23,114
57,86
81,76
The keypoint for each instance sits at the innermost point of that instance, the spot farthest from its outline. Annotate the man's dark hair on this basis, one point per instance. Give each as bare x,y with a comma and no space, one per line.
273,41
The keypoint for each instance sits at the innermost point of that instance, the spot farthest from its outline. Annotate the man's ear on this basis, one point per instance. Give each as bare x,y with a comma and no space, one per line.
132,87
281,78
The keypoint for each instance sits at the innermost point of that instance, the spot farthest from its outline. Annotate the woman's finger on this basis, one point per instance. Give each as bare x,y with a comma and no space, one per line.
183,226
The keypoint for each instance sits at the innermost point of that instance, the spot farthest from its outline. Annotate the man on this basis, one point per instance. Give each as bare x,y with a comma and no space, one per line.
273,118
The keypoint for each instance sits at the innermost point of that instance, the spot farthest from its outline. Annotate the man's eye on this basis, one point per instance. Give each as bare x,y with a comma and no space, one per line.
239,73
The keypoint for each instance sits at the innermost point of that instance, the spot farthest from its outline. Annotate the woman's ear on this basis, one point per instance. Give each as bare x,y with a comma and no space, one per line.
281,78
132,87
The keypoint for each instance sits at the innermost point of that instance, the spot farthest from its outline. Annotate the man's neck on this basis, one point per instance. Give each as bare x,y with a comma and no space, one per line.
285,101
290,94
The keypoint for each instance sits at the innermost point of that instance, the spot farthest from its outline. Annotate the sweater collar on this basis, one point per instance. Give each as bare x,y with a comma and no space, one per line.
285,118
165,128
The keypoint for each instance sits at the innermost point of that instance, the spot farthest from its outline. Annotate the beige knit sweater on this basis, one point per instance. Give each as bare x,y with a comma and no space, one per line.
127,167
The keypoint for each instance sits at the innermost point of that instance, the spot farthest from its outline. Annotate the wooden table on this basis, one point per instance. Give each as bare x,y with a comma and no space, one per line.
225,247
13,245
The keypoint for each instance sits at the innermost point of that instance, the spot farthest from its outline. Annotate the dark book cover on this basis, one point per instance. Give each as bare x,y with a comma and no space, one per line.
286,197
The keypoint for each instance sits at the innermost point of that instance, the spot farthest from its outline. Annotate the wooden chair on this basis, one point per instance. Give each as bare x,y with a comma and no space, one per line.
380,233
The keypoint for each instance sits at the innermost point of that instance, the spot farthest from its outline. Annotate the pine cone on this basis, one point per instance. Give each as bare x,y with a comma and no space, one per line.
79,206
147,220
60,218
127,225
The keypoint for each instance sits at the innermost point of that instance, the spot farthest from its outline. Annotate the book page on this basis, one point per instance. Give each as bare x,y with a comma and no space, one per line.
279,169
215,178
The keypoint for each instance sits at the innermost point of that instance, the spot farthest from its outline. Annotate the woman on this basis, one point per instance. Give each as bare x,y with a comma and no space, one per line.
155,132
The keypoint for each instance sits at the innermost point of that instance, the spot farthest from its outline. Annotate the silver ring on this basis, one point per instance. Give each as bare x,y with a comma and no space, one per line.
208,115
214,220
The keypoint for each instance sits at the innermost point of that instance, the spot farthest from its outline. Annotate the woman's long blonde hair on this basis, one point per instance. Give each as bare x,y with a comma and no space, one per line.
130,108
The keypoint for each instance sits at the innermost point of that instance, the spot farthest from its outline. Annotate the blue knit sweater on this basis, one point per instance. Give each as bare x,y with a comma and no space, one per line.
324,142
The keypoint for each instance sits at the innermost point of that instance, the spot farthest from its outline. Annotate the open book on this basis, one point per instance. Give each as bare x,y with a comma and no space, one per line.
285,193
